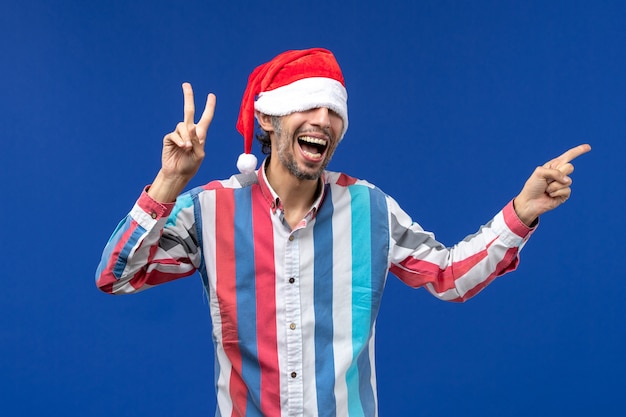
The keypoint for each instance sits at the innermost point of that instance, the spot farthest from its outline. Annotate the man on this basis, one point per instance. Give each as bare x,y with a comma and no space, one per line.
294,258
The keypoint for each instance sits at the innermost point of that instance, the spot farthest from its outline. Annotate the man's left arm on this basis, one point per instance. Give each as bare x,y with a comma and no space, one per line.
459,272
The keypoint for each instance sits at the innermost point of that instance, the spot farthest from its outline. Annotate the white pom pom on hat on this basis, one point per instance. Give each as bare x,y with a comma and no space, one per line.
293,81
246,163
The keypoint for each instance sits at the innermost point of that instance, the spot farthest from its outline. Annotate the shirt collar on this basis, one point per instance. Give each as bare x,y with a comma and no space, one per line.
273,200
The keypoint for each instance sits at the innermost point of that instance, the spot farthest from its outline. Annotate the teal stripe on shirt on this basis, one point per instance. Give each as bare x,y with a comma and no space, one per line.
379,247
361,291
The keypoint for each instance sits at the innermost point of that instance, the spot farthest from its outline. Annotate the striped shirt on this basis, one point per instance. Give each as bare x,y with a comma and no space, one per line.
294,310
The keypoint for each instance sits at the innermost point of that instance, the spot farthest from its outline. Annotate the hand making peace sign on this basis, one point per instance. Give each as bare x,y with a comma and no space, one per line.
183,149
548,187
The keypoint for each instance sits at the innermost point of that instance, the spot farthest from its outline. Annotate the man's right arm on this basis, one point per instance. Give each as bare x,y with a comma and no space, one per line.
142,251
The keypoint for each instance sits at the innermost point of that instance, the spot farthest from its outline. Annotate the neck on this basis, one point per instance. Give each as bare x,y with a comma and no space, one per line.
296,195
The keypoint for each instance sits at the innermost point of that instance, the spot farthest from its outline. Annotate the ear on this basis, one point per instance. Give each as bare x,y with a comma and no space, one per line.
265,121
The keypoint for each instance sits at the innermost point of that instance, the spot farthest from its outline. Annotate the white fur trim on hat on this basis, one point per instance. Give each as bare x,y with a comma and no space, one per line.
306,94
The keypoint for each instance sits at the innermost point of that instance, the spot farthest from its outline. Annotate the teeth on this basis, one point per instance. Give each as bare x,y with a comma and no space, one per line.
312,155
316,141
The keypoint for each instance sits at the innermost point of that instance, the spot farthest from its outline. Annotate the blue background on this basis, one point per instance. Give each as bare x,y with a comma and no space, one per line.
452,105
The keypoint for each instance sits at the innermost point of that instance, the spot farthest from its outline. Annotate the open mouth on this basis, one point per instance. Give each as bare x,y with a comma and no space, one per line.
312,148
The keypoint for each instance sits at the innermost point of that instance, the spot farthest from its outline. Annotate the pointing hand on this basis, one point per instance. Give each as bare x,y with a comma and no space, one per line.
548,187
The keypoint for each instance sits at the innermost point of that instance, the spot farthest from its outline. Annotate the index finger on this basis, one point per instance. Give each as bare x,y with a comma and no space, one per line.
189,107
573,153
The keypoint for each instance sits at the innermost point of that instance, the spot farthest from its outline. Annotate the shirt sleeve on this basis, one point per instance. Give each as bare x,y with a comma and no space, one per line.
459,272
155,243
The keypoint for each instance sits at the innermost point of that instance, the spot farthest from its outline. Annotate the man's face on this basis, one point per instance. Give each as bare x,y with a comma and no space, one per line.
304,142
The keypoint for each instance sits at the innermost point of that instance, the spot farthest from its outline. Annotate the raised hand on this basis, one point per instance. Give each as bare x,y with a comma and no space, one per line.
548,187
183,149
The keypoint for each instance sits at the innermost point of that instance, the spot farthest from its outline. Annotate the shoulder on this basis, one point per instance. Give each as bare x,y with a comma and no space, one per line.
346,185
342,180
357,191
234,182
201,193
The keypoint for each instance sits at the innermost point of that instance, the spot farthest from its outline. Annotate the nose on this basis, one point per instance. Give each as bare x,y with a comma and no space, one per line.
320,117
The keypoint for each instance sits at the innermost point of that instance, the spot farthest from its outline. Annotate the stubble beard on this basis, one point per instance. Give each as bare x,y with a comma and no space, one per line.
284,142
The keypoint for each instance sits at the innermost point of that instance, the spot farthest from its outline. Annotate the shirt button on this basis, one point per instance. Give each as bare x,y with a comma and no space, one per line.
291,238
292,326
292,280
293,374
153,215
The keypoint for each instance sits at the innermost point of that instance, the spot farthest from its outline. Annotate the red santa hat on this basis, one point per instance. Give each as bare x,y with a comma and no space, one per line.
293,81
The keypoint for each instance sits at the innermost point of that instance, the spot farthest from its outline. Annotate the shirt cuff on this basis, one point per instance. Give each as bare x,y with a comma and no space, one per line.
514,223
153,208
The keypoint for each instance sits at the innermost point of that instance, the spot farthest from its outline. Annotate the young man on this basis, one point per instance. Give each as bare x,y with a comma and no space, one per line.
294,258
